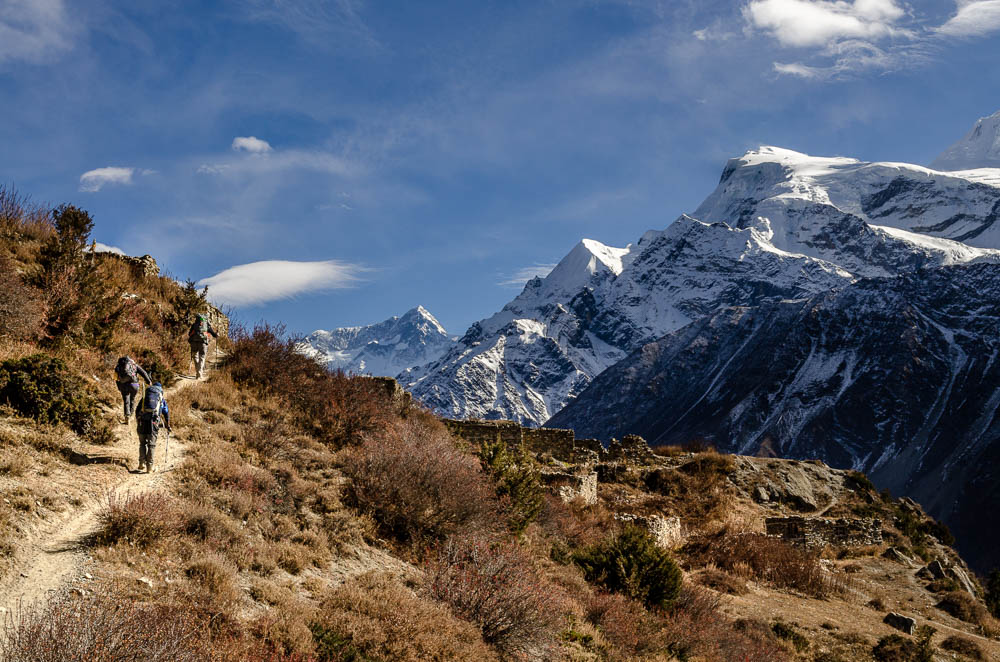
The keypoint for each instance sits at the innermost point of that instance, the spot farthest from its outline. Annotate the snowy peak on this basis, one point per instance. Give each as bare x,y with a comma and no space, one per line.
980,148
587,265
385,349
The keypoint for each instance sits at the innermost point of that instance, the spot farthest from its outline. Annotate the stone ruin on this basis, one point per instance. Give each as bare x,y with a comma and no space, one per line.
666,531
570,486
819,531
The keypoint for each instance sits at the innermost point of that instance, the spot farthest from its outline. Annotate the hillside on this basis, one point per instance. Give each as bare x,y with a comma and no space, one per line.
309,515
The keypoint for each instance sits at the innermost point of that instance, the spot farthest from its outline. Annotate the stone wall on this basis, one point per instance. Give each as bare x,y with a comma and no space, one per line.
666,531
570,486
818,531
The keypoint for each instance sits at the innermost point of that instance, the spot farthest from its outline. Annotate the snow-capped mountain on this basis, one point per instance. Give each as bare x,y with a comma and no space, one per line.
897,377
980,148
780,225
383,349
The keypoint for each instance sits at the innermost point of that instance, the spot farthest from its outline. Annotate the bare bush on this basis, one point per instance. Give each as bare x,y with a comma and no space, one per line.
136,519
103,628
22,313
414,483
765,559
375,617
495,585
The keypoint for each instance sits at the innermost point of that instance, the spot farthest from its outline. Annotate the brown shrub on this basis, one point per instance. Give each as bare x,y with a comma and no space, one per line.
414,483
332,406
103,628
722,581
766,559
575,524
495,585
22,312
136,519
375,617
628,628
963,646
963,606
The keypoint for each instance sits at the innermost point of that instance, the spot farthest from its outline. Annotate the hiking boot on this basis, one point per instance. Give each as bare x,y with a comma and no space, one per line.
150,468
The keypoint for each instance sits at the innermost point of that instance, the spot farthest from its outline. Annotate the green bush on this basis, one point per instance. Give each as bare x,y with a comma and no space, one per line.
630,563
40,387
518,483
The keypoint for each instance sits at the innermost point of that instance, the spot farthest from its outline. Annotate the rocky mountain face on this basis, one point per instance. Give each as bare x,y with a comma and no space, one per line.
896,377
980,148
780,225
383,349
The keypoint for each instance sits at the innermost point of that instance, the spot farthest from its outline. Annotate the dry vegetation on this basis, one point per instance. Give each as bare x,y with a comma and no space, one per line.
318,516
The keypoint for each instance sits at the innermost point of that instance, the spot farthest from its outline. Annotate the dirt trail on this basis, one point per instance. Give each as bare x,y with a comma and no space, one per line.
55,555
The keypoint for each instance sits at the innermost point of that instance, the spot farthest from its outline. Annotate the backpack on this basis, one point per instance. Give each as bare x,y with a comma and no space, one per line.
199,330
126,370
148,418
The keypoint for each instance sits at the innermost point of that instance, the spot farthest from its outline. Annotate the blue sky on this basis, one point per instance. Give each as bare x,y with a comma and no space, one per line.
373,156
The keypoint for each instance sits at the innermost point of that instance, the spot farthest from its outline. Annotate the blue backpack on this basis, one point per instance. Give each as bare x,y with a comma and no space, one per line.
148,419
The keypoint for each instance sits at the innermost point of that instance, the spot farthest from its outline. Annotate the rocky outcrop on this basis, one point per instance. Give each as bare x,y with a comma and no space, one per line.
900,622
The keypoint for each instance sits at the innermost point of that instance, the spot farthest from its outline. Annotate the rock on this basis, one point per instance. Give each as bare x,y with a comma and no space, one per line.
570,486
665,530
900,622
893,554
87,575
78,591
936,570
145,581
962,577
760,495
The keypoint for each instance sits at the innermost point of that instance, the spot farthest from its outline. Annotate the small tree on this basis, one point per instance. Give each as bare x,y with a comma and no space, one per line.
68,277
631,563
518,483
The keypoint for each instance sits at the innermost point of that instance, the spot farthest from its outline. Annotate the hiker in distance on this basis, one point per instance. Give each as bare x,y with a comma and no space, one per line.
153,414
127,373
198,338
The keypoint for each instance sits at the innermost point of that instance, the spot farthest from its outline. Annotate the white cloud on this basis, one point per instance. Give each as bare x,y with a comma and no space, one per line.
94,180
974,18
251,144
271,280
34,30
265,163
522,276
803,23
105,248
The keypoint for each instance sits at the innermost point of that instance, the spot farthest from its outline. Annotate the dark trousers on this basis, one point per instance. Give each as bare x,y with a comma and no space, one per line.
147,446
130,396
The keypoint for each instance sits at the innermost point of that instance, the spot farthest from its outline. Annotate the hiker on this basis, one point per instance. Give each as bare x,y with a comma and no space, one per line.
127,373
153,414
198,338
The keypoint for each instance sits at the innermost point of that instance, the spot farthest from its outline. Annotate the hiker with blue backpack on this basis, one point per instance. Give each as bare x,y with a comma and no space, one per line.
127,373
153,415
198,338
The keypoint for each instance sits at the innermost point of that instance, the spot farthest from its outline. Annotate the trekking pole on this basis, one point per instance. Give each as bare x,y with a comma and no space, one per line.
166,460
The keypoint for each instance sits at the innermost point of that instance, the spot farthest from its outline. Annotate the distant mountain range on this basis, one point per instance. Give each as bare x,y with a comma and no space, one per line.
386,348
810,307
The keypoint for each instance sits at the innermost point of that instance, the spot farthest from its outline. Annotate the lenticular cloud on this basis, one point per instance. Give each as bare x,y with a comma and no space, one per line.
271,280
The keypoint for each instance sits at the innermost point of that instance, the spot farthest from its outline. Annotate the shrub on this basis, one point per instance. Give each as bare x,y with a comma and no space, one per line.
962,606
963,646
722,581
788,633
136,519
21,308
630,563
41,387
859,482
375,617
895,648
518,483
766,559
103,628
627,627
332,406
993,593
414,483
494,585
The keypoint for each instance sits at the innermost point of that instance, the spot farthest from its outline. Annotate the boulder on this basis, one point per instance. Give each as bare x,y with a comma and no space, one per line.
900,622
893,554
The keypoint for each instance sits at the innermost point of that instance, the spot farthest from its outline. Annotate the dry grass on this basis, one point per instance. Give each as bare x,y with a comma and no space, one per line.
765,559
136,519
375,617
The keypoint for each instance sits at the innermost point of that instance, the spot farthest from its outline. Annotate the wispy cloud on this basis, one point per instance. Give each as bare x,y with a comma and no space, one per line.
105,248
94,180
34,30
263,162
820,22
522,276
839,39
271,280
322,23
251,144
974,18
